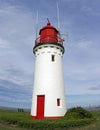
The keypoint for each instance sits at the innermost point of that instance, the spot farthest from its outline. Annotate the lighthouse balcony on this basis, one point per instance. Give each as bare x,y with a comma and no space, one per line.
51,39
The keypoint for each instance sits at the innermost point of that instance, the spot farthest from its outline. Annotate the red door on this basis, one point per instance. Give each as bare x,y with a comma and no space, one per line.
40,106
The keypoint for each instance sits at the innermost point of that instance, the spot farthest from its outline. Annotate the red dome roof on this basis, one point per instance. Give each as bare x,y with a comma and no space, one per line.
49,34
48,26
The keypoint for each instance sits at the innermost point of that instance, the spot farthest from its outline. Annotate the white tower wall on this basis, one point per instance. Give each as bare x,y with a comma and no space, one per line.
49,81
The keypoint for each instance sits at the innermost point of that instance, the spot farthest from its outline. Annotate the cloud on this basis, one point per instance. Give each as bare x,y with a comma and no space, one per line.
84,100
15,40
71,1
16,58
90,11
84,45
95,88
81,67
4,43
17,75
13,93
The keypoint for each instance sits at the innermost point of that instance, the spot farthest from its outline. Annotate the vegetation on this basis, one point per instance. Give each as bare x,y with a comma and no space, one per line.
95,125
78,113
74,117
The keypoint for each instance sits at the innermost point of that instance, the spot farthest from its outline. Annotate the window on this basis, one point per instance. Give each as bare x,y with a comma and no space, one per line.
58,101
53,58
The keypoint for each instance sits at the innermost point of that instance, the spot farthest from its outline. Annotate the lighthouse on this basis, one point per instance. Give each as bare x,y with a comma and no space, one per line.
48,100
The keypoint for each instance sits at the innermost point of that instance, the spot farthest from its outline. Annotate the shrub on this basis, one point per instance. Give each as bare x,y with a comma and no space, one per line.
78,113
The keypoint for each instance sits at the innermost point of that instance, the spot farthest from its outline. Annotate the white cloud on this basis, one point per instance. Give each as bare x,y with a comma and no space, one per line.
90,11
95,88
16,41
81,67
83,44
4,43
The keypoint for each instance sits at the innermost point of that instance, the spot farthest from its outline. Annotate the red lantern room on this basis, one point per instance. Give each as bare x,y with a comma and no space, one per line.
49,34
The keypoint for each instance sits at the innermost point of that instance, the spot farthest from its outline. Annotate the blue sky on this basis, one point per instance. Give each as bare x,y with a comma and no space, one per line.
80,19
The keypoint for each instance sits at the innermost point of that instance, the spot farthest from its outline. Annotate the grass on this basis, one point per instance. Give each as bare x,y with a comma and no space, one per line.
8,127
75,118
94,125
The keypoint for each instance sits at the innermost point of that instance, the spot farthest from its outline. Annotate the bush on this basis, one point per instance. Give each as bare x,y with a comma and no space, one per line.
78,113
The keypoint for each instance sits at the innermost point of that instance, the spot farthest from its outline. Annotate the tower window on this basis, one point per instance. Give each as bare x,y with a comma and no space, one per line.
58,101
53,58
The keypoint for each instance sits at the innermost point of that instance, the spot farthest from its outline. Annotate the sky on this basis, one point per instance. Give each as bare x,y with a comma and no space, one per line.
79,22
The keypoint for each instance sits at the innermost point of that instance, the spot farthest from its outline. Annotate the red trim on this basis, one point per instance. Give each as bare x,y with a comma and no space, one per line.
47,117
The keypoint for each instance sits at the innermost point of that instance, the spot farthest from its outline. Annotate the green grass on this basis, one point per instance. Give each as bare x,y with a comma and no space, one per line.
95,125
22,120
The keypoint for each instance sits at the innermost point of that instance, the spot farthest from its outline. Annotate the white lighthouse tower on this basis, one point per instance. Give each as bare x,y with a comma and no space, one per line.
48,93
